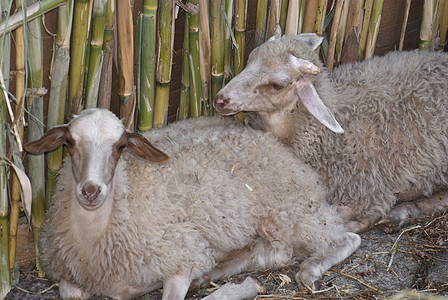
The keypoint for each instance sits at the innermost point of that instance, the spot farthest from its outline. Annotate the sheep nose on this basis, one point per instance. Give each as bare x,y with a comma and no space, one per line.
90,191
220,101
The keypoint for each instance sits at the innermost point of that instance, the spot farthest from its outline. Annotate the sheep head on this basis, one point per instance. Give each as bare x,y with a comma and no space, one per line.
95,140
278,74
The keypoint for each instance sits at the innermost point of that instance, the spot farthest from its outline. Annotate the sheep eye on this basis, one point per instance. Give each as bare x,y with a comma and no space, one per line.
277,86
121,147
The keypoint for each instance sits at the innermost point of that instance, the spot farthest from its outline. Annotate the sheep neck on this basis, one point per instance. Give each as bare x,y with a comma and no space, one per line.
91,225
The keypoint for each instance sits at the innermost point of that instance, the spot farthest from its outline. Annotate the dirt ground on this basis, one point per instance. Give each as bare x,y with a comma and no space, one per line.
414,258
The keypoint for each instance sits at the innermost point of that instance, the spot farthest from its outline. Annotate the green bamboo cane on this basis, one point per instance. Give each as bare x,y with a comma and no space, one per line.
15,185
95,52
374,28
204,57
104,93
227,40
217,46
5,46
260,22
240,36
33,11
164,62
368,5
59,83
35,131
125,32
184,101
283,14
146,63
193,29
78,55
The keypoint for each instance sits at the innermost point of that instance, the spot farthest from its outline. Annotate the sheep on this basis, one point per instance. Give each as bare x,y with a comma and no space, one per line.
123,223
388,118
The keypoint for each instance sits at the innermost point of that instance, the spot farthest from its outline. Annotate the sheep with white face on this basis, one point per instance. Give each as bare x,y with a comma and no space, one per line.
125,221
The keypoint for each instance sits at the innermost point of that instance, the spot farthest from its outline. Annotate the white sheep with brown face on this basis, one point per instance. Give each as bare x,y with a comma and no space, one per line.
225,202
376,131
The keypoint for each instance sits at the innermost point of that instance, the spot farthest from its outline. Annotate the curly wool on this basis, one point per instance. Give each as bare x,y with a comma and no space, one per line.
221,182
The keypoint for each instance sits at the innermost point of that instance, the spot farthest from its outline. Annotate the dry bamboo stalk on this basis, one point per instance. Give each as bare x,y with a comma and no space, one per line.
274,17
437,24
240,35
333,34
227,40
320,16
125,32
405,23
427,24
15,185
374,28
340,36
204,56
193,58
310,15
292,21
365,27
183,111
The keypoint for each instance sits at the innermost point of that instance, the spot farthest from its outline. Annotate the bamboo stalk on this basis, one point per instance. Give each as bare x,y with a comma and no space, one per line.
333,34
78,55
227,40
292,23
59,81
284,14
193,29
15,185
217,46
365,27
274,17
146,62
36,164
310,15
240,36
183,111
302,7
204,57
164,62
126,61
5,46
320,16
427,25
374,28
33,11
96,52
260,22
443,27
104,93
404,25
340,35
350,51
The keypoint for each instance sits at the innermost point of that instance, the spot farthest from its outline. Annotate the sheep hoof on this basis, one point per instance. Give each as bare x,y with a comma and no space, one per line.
399,216
306,281
196,285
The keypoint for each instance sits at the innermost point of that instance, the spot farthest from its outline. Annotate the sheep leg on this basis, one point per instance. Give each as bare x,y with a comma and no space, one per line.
409,212
176,287
248,289
312,268
68,290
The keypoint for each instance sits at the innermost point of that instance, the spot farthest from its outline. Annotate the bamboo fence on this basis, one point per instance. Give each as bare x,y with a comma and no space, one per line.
91,34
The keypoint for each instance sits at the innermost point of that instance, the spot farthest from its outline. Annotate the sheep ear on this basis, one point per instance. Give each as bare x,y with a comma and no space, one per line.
277,33
52,139
304,66
315,106
141,147
312,40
